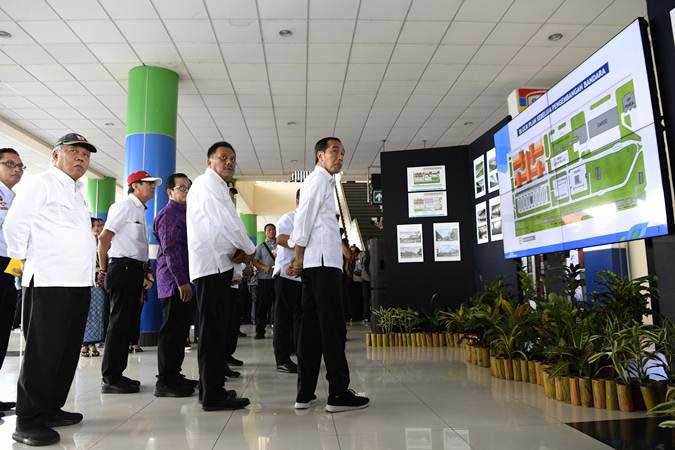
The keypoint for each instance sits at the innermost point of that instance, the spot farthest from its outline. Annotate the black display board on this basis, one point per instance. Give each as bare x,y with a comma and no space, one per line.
413,284
661,250
489,258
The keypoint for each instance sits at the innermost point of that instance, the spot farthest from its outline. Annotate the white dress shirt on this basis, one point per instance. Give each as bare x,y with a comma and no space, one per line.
214,229
238,272
126,219
49,226
285,255
6,199
315,226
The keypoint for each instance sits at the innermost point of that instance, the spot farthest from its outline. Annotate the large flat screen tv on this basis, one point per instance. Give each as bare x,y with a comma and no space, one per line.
583,165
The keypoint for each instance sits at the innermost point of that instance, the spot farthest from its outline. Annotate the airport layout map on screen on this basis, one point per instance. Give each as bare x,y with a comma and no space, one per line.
580,167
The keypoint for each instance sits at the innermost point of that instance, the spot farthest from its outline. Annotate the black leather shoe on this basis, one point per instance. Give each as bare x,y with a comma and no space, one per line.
231,373
188,382
62,418
287,367
6,406
119,388
226,403
164,390
36,436
232,361
229,393
130,381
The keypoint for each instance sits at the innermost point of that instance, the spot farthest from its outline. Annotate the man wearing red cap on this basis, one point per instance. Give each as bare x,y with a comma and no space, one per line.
123,259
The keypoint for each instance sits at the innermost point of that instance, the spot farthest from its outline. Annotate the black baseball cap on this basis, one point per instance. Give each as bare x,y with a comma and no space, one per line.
74,138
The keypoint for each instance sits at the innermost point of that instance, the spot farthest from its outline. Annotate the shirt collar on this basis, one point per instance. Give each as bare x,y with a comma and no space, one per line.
177,205
64,178
325,173
209,172
137,202
7,191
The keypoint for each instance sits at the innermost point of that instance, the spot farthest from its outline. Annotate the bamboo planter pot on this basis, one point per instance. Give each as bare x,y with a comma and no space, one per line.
532,372
625,397
586,392
599,399
507,369
612,399
575,394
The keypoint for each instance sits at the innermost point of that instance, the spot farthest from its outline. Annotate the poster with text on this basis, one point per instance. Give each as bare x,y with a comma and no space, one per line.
492,172
410,245
427,204
495,219
446,242
430,178
482,232
479,176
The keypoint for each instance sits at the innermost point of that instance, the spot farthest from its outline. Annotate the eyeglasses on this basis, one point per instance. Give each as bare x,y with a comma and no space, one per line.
11,165
182,188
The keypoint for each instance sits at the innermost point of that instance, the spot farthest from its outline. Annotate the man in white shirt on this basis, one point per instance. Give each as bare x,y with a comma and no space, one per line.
318,256
288,291
48,227
11,171
123,266
217,239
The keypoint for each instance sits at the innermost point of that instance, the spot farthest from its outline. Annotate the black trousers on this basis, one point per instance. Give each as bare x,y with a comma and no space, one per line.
7,308
232,330
54,321
286,317
365,285
322,332
216,307
136,325
356,299
263,304
175,330
124,283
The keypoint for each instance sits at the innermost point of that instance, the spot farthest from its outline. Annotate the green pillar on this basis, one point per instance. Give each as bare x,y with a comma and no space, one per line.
260,236
100,195
251,225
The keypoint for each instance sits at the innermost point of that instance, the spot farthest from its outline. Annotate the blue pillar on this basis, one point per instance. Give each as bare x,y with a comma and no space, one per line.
151,146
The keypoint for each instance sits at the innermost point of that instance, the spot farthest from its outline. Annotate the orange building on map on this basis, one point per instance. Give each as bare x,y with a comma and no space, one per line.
529,165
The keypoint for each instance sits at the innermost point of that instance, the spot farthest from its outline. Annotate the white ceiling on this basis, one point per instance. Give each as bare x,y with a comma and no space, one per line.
414,72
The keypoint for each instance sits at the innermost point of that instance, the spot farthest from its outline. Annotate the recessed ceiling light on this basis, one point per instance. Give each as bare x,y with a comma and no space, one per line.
5,34
294,161
285,32
109,124
292,123
555,37
466,124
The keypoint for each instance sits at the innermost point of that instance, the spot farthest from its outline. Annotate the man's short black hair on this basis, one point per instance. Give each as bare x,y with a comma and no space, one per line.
297,194
7,150
269,225
214,147
322,144
171,180
95,220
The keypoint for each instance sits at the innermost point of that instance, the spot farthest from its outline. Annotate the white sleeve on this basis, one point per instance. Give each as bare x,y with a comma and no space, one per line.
115,219
285,226
21,216
234,228
310,202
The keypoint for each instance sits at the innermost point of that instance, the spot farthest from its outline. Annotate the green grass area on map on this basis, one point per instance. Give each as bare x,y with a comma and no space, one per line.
621,91
601,101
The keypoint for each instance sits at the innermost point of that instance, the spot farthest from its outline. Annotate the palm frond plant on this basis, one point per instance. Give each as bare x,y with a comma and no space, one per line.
666,408
623,298
663,337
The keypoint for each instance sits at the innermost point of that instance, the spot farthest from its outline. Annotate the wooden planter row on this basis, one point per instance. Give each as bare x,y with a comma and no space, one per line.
410,340
597,393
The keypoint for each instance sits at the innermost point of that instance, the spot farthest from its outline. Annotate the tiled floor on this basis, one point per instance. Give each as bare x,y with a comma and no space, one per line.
421,399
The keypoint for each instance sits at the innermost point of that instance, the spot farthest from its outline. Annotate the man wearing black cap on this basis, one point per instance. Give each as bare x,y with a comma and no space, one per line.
48,228
123,264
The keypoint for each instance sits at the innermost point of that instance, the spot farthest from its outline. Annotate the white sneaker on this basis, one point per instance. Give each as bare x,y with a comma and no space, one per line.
305,405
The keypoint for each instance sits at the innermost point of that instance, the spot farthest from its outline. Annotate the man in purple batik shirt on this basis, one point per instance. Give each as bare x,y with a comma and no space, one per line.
173,289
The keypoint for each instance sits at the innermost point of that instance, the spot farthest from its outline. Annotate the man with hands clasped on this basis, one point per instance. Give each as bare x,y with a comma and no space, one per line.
318,258
217,240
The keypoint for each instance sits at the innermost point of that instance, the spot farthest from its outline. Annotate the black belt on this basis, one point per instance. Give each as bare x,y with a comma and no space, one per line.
132,261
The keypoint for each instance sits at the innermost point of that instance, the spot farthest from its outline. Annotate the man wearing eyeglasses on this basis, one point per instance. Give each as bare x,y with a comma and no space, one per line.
125,241
48,227
11,171
173,290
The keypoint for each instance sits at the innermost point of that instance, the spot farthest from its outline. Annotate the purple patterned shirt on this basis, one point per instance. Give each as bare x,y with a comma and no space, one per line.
172,258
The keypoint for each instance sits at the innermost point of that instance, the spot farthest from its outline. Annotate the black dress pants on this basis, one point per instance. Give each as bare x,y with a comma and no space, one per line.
286,317
173,335
365,285
322,332
233,325
7,308
216,307
263,304
124,283
54,321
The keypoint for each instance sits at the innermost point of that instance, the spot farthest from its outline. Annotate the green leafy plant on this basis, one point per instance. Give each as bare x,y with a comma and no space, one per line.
663,337
385,318
625,299
409,319
666,408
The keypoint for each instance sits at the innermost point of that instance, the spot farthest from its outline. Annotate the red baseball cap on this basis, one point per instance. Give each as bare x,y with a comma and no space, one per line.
142,175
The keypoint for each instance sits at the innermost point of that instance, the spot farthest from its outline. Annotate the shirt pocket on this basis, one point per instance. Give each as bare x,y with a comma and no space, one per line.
136,230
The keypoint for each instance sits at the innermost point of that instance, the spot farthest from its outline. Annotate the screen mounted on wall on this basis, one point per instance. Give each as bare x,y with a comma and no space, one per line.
581,166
